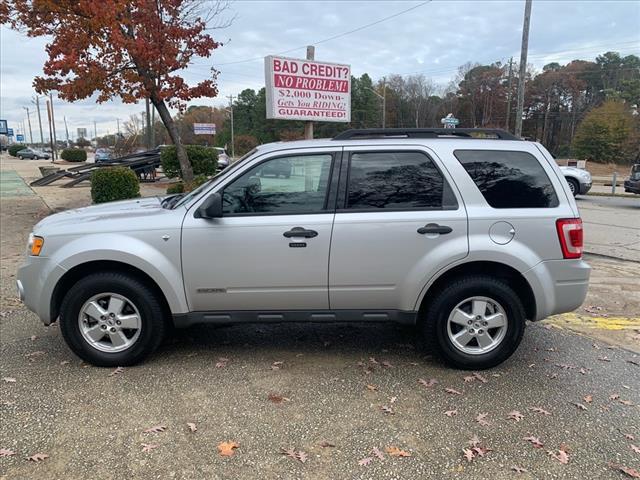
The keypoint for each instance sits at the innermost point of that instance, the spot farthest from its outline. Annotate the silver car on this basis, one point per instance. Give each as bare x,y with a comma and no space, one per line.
578,179
466,238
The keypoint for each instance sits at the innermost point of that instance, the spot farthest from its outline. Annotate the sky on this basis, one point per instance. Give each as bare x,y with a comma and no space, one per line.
434,38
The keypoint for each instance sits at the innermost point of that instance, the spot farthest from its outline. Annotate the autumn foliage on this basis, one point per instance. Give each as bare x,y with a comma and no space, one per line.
120,48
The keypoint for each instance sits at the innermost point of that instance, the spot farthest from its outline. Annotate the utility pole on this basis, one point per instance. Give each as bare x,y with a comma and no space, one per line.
53,125
66,130
95,132
29,122
507,122
523,66
148,132
308,126
53,150
233,148
37,104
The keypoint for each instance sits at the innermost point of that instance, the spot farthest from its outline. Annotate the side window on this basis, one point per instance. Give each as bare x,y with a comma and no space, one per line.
282,185
396,180
509,179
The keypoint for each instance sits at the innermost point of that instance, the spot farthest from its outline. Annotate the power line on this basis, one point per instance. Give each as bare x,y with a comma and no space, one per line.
340,35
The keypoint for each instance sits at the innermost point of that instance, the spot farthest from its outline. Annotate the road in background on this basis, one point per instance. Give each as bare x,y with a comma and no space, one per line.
612,226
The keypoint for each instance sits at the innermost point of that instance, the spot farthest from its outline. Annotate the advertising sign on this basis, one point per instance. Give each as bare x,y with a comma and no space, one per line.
9,132
204,128
450,121
307,90
3,127
19,138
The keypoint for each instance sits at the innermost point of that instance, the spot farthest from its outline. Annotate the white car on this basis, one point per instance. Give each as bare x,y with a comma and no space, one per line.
223,159
579,180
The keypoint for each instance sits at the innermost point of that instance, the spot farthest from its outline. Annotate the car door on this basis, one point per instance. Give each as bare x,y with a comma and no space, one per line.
270,249
398,221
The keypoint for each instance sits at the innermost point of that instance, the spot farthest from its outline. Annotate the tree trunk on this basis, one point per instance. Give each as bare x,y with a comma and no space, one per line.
165,115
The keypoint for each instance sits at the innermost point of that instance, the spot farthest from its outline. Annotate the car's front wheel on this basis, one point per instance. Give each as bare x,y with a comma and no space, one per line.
112,319
574,186
476,322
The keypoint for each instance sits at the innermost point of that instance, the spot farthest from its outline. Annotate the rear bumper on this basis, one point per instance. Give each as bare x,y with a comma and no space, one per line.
632,187
558,285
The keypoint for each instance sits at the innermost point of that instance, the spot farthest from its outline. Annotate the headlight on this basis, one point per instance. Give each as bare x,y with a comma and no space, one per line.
34,246
586,175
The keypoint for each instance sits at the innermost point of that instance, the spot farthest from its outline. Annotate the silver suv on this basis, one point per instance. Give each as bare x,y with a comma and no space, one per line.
464,237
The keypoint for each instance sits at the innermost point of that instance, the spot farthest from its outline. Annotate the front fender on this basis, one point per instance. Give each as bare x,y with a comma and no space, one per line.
158,258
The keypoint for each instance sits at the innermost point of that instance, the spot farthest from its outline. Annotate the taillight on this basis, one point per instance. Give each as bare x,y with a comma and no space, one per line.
570,236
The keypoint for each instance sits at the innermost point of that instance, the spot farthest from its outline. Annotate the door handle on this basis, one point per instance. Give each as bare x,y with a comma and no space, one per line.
434,228
300,232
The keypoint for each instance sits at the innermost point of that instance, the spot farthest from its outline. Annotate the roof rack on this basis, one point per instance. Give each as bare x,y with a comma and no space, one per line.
488,133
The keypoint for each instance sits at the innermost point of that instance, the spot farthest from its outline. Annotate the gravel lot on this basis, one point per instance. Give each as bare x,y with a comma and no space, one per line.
334,379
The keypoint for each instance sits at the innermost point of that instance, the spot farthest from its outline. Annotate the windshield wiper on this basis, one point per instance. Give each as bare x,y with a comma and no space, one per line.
169,202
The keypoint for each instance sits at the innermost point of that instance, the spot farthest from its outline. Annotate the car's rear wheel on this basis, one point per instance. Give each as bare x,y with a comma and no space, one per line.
112,319
20,157
574,186
476,322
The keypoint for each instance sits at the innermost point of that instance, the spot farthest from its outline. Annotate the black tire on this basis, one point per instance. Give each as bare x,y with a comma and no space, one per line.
436,315
20,157
150,307
574,186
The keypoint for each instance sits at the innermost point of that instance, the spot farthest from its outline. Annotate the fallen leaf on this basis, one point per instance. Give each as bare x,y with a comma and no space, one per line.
482,419
35,354
365,461
625,402
372,388
156,429
635,448
539,410
9,379
604,359
469,378
373,360
481,451
64,362
38,457
295,454
451,413
480,377
452,391
535,441
6,453
222,362
580,406
378,453
226,449
192,427
387,409
428,384
628,436
275,398
474,442
515,415
387,364
326,444
560,455
33,338
276,365
117,371
588,398
518,469
615,396
393,399
396,452
630,472
147,447
468,454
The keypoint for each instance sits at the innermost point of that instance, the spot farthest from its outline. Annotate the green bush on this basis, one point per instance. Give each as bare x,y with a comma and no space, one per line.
14,149
175,188
114,183
204,160
74,155
181,188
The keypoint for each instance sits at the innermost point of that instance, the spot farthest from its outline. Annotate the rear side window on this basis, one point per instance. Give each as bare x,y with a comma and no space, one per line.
397,181
509,179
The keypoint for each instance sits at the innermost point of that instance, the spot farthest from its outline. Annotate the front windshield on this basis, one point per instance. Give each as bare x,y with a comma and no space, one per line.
186,198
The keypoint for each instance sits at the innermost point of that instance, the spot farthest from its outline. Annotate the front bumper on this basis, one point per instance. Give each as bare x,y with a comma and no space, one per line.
35,281
558,285
584,188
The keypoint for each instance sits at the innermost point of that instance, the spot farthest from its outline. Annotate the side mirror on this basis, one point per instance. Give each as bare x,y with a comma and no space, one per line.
210,208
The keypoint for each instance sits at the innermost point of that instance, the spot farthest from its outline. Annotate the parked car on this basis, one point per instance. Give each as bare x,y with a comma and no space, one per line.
632,184
579,180
102,155
223,159
465,238
32,154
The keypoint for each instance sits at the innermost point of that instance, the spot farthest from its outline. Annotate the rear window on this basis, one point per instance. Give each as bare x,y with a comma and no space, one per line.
509,179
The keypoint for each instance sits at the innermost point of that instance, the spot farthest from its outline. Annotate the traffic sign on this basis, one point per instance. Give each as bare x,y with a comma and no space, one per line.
19,138
9,132
204,128
450,121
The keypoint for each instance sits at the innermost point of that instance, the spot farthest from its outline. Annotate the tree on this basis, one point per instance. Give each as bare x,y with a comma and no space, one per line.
132,49
609,133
